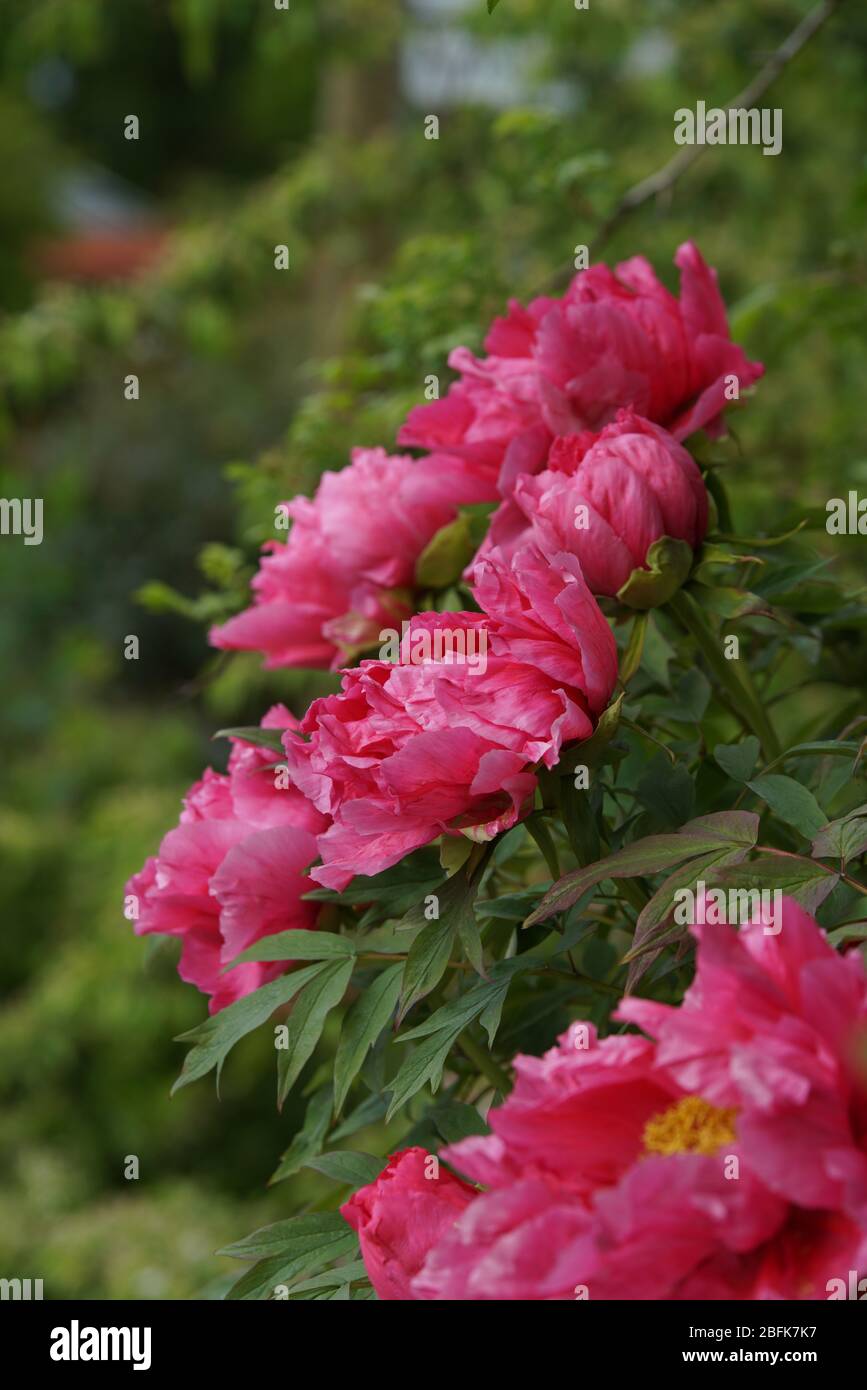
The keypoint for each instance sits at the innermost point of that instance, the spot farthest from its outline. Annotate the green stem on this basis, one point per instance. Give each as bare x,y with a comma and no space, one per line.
485,1063
736,683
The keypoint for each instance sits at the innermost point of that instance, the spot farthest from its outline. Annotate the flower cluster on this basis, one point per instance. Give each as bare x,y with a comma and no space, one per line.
535,425
722,1157
572,423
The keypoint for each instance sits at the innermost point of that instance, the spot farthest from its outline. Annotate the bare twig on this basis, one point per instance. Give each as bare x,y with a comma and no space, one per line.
664,179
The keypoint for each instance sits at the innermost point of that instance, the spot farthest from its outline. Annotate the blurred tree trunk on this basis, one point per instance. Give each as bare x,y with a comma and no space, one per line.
359,99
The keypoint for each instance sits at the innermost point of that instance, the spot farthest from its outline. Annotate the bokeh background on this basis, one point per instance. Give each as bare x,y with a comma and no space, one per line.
304,127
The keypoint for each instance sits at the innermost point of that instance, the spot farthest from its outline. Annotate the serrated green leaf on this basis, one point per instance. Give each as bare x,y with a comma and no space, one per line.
790,802
307,1021
362,1025
215,1038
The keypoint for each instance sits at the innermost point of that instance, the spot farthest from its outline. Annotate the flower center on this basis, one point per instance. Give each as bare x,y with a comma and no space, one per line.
689,1126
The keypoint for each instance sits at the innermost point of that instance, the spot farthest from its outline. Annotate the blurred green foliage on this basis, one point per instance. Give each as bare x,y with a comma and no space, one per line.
261,128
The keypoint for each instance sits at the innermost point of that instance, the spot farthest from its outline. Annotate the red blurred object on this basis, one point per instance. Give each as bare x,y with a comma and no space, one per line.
96,256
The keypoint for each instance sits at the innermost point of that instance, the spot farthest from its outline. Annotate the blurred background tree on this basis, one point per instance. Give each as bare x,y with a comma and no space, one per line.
304,127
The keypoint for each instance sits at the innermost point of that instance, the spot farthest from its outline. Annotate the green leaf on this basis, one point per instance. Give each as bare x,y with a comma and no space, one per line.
579,821
425,963
215,1038
460,1012
301,1244
429,953
456,1121
309,1139
830,747
807,882
667,791
843,839
791,802
263,738
692,694
425,1064
738,760
307,1021
651,931
396,890
668,563
362,1026
724,830
298,945
369,1112
492,5
508,907
332,1278
349,1168
850,931
296,1235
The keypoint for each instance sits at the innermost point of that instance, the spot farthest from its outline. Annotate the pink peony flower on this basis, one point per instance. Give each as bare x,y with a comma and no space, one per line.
725,1159
401,1215
345,571
606,498
563,366
231,871
407,752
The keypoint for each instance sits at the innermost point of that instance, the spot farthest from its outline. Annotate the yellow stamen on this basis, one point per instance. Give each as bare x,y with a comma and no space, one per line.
689,1126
